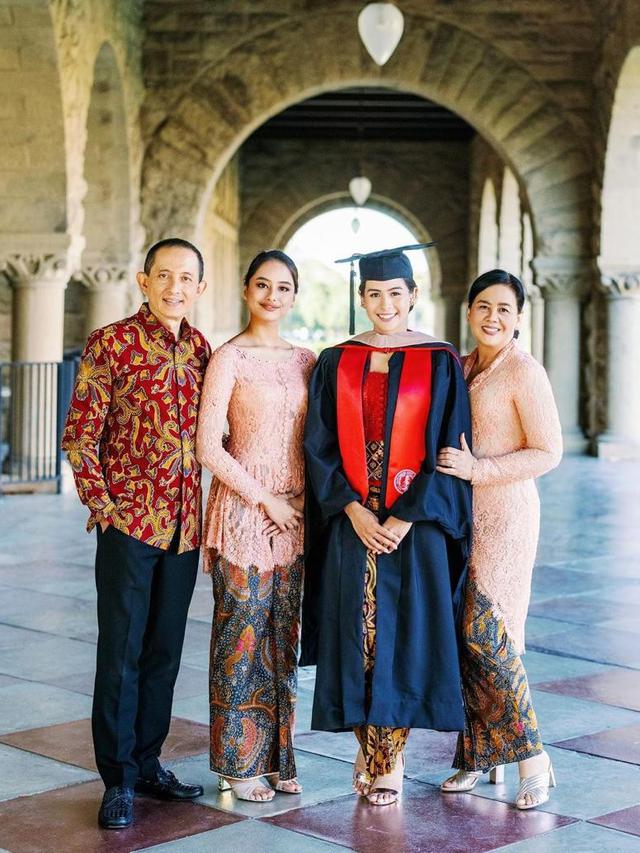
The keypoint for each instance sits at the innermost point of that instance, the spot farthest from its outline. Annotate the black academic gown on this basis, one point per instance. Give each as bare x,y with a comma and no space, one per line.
416,680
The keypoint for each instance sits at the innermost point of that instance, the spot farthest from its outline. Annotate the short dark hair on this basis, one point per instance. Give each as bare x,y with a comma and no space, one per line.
487,279
169,243
411,286
271,255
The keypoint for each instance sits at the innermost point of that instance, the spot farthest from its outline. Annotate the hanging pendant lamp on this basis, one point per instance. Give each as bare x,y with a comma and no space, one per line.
380,26
360,189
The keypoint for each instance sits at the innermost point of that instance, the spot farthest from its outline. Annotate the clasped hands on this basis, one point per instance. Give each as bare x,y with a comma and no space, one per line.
283,512
456,463
376,537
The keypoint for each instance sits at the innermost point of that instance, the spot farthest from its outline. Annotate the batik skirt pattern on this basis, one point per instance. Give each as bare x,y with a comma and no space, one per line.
253,669
381,745
501,725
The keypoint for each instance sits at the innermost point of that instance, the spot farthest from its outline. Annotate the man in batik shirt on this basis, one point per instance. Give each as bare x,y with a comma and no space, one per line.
130,438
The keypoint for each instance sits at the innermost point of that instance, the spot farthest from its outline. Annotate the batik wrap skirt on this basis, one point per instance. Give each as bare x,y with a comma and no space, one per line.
501,725
253,669
381,745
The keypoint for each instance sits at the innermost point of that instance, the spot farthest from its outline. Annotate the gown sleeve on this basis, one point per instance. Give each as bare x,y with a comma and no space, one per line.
327,494
433,496
325,476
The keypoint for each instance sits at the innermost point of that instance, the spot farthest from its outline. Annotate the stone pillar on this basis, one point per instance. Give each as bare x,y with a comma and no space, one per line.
38,277
536,306
621,439
564,284
38,281
108,293
450,321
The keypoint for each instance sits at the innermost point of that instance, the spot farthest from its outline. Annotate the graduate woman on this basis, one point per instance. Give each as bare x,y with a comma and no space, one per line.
387,535
253,538
516,437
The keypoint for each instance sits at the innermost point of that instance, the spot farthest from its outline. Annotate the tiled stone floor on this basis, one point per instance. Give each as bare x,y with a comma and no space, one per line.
583,663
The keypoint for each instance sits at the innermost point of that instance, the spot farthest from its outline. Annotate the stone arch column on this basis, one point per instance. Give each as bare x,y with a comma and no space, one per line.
565,286
536,299
34,246
619,264
489,234
104,268
509,232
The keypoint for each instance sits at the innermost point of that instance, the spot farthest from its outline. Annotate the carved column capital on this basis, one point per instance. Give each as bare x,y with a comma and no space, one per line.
36,271
104,276
620,283
563,278
534,292
30,261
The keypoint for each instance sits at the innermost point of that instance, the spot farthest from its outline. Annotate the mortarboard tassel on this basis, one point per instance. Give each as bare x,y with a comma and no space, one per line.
352,299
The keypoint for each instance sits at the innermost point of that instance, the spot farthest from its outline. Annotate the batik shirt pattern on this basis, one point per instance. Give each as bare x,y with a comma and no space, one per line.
131,427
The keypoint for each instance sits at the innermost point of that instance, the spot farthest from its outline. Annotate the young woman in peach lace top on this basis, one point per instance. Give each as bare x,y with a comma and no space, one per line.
516,438
253,536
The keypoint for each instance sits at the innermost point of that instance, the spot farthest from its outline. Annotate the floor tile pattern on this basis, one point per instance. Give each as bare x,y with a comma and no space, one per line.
583,661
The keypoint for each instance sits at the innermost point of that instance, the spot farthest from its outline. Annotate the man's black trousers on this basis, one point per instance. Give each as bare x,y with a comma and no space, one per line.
143,599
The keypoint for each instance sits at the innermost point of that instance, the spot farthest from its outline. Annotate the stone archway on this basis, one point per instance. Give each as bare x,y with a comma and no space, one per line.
335,201
620,265
213,114
227,100
281,179
488,234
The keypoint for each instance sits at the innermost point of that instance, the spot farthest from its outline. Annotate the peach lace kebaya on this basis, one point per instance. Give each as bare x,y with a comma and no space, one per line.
265,403
516,437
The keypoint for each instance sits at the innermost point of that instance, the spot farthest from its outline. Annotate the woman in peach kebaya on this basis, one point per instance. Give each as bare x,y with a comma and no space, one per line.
516,438
253,535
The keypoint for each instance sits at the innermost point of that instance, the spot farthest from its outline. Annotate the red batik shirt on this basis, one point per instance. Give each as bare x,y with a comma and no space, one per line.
131,429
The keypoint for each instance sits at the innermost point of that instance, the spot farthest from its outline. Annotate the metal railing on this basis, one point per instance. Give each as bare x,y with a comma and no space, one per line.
34,398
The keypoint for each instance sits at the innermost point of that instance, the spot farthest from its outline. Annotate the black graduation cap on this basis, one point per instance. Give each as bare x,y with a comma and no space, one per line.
378,266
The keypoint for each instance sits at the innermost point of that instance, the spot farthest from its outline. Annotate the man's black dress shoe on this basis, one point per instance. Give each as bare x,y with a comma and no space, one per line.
116,811
165,786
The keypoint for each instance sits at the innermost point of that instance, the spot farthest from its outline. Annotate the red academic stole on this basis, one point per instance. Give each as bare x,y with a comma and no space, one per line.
407,450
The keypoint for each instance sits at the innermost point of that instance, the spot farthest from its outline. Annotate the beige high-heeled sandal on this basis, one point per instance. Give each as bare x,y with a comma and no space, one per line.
244,789
390,783
466,780
361,775
536,786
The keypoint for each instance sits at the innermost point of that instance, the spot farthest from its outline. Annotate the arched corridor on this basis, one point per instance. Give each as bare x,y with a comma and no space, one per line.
509,133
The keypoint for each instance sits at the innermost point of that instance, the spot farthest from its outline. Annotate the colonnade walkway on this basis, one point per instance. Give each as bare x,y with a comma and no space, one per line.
583,660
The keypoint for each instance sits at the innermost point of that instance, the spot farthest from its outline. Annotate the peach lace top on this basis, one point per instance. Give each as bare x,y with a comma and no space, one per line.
516,438
264,402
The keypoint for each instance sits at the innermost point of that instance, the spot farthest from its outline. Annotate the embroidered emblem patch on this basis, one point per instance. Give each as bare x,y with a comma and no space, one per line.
403,479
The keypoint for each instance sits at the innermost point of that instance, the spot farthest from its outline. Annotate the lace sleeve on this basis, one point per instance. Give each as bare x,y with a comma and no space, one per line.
538,414
216,393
